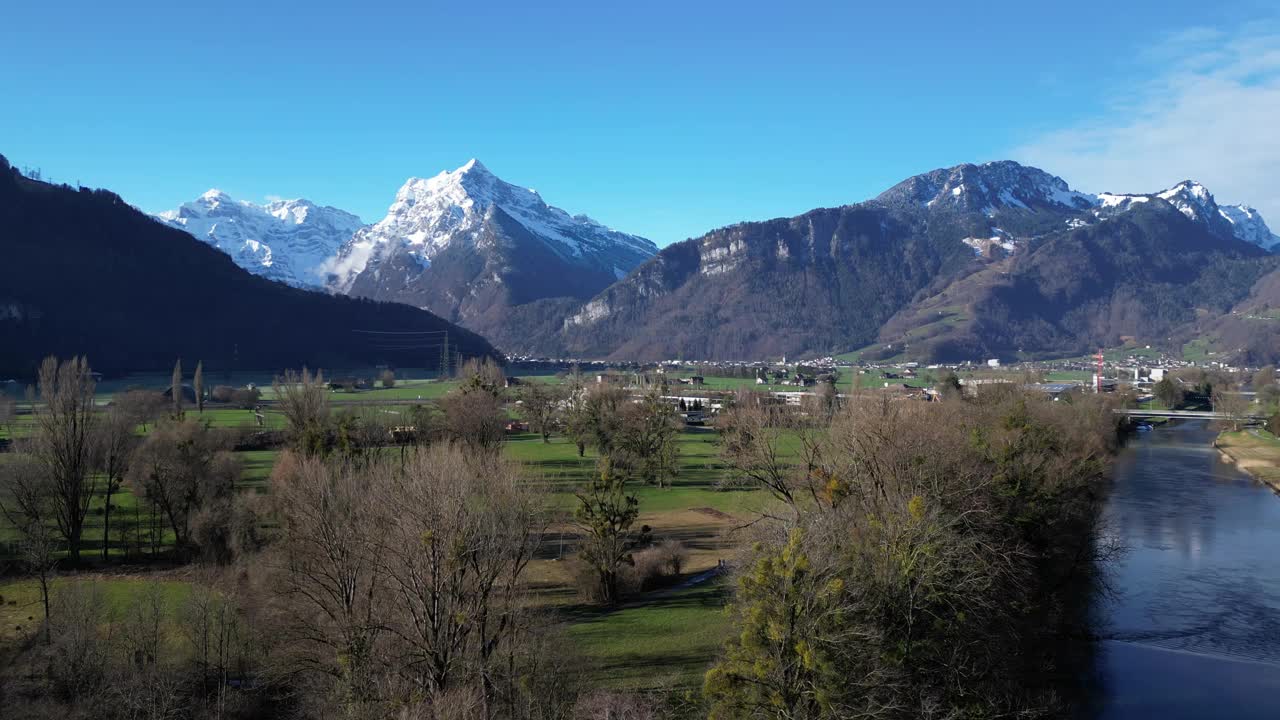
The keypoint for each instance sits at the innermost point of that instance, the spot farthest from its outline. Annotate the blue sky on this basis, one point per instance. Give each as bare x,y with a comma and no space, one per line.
664,119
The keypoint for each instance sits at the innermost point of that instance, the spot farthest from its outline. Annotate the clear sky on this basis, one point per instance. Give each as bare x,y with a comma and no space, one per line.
665,119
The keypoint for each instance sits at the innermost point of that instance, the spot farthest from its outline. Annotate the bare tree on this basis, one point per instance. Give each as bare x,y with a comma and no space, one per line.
8,409
594,417
1232,404
646,443
575,417
751,442
27,502
145,405
475,419
217,633
541,405
185,467
329,576
63,443
483,374
304,401
80,651
116,439
459,531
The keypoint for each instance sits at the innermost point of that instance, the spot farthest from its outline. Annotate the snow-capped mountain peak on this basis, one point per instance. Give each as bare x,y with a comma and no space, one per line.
987,188
214,195
1195,201
432,214
1192,199
284,240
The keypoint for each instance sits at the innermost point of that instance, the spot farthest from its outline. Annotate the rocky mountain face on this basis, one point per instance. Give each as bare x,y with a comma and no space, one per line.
286,240
962,263
85,273
482,252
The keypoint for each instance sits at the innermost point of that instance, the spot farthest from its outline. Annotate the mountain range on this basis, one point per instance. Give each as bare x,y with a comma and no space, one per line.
960,263
85,273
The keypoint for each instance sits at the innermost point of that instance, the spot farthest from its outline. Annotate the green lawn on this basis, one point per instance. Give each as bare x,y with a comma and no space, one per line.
558,464
1068,376
1197,351
668,640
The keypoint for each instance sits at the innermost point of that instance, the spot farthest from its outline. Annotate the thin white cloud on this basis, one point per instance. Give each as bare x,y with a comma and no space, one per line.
1206,107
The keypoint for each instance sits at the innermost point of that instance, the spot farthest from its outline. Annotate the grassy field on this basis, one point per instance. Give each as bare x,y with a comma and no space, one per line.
1197,351
661,638
667,640
21,610
558,465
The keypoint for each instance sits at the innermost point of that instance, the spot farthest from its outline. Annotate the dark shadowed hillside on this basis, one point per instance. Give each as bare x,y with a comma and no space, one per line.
85,273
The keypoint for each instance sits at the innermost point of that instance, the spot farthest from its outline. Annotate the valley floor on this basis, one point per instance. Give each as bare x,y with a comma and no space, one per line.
662,638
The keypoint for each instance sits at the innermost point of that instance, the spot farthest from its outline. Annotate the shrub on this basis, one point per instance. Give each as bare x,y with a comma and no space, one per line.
222,393
388,378
673,555
612,705
654,567
246,398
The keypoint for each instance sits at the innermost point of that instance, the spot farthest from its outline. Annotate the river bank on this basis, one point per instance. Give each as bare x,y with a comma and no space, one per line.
1255,452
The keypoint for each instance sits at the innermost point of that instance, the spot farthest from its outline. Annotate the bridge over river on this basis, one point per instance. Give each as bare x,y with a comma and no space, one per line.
1189,414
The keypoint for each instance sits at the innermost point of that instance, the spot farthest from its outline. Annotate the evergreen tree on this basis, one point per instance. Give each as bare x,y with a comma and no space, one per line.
779,666
1168,393
606,513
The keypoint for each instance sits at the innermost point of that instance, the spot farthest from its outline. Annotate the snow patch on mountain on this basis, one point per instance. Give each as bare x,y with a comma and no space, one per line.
431,214
285,240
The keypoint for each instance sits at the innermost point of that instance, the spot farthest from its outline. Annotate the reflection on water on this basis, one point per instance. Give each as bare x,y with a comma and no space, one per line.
1194,629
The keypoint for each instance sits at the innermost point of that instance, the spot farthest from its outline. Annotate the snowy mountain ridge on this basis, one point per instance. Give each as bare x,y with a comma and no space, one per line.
1004,185
285,240
987,188
1198,204
432,214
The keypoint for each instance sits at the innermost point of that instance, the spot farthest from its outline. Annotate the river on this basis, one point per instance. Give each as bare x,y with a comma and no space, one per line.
1193,627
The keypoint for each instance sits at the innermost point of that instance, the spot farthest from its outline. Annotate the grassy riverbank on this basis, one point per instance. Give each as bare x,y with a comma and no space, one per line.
1254,451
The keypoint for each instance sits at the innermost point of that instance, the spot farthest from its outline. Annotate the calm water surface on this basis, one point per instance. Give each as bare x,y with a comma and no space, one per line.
1194,628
